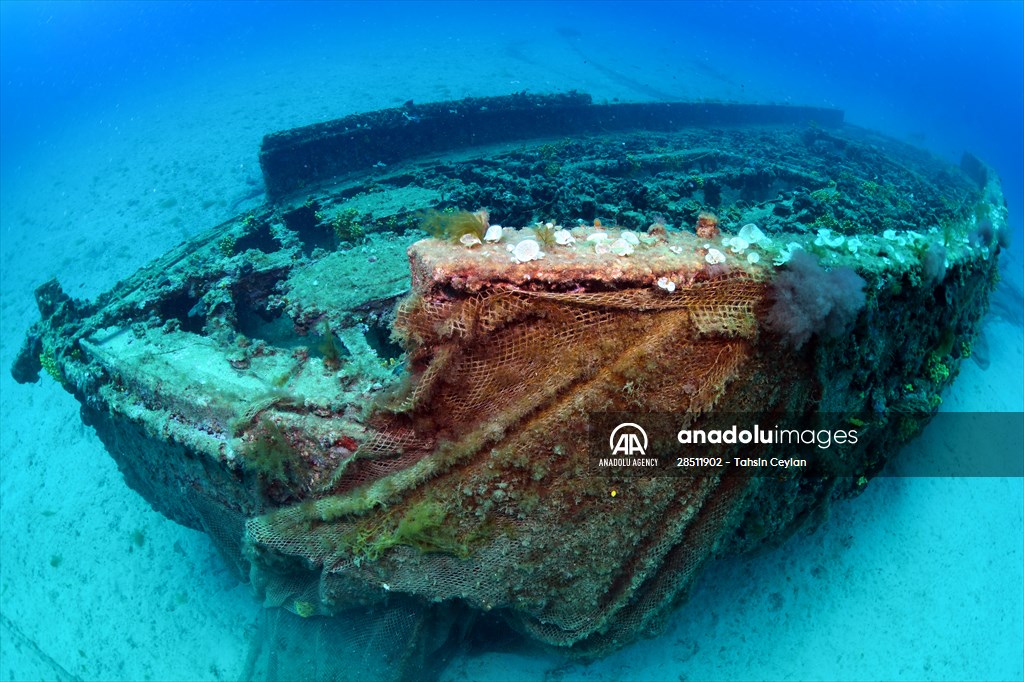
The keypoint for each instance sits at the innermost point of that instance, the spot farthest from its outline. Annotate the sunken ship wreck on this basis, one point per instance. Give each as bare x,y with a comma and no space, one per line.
386,393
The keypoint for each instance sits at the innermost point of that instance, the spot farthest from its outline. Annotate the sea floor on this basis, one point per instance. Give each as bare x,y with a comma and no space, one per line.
918,578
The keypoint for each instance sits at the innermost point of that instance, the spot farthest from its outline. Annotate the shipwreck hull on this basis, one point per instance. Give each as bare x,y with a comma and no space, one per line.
369,422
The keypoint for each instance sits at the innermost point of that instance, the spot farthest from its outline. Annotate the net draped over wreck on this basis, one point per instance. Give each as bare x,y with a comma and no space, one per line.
393,437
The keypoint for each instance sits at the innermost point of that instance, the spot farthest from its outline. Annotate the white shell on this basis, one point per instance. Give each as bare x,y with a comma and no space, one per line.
493,234
825,238
598,237
899,238
753,257
527,250
737,244
786,253
564,238
666,284
601,248
752,234
714,256
620,247
469,240
676,249
630,237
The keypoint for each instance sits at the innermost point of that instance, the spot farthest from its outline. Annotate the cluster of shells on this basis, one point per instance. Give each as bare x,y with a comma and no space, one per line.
749,244
527,250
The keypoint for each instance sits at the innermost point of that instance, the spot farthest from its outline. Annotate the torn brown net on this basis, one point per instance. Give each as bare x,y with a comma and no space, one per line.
490,437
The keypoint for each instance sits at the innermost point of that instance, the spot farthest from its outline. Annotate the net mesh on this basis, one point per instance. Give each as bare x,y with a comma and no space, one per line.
493,357
491,432
399,641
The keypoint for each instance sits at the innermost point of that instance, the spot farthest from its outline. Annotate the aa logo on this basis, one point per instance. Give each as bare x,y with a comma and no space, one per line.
628,439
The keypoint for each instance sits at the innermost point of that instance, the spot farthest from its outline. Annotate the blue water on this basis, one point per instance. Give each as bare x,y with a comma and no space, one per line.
947,72
121,122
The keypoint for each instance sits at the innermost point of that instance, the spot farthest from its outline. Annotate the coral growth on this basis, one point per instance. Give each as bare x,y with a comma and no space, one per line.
347,227
456,225
270,453
422,527
707,226
331,349
811,300
545,233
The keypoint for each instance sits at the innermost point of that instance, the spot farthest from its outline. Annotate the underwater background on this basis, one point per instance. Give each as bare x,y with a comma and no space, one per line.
126,128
